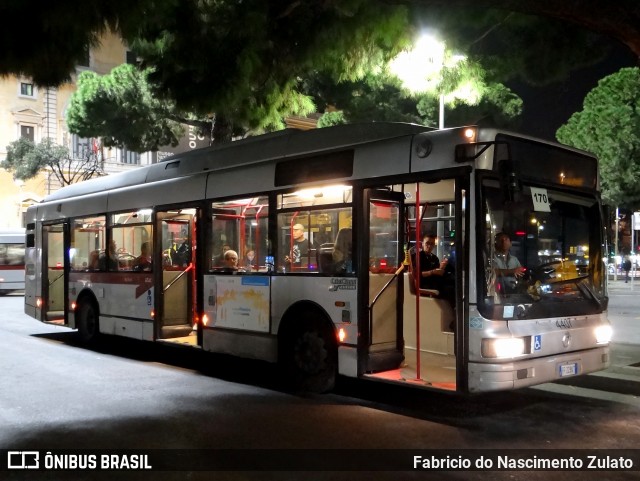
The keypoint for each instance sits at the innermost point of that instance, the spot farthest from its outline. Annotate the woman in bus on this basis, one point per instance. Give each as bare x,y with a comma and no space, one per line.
250,259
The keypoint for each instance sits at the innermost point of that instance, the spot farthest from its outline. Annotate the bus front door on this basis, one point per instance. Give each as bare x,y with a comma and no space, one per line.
54,266
175,284
385,256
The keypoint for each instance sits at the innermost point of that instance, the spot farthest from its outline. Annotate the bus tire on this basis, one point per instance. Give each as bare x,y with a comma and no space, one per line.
309,354
88,322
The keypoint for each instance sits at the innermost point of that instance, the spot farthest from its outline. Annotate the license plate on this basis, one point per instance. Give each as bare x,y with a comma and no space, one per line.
568,369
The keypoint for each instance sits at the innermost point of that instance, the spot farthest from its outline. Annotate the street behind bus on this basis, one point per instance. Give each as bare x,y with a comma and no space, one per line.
123,394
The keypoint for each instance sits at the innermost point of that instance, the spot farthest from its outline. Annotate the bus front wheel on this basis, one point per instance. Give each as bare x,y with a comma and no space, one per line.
309,355
87,322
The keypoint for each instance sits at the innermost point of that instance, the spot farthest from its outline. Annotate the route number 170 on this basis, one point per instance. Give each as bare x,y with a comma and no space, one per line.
540,200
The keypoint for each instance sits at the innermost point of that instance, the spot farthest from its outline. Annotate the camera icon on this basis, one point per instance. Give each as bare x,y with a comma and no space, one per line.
23,460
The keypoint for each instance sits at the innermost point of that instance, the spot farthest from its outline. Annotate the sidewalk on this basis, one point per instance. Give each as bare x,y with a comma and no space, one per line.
620,285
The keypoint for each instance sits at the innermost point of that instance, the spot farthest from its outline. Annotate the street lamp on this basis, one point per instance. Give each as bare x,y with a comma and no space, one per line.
421,70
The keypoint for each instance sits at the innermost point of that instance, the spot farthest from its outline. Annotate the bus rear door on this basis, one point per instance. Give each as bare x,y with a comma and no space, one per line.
54,267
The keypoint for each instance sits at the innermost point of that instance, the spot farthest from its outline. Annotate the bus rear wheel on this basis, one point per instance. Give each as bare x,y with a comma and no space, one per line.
310,355
88,322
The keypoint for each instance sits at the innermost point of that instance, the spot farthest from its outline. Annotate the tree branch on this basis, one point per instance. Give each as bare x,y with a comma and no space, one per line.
619,19
204,125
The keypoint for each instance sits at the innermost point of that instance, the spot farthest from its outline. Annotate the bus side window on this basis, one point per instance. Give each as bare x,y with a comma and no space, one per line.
88,241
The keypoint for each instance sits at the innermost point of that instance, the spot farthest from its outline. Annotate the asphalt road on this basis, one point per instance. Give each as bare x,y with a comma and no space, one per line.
57,394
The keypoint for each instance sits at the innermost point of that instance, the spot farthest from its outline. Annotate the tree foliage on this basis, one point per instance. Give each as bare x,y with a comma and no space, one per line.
244,61
61,31
512,45
26,159
47,40
375,97
380,96
609,127
122,109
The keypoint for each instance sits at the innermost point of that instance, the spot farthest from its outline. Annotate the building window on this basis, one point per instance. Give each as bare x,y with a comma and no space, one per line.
80,147
28,132
27,89
130,157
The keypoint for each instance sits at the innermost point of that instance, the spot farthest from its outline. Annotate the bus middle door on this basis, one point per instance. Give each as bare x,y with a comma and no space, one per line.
384,248
175,287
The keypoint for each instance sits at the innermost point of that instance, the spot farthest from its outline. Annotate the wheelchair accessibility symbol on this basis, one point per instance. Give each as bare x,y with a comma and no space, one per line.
537,342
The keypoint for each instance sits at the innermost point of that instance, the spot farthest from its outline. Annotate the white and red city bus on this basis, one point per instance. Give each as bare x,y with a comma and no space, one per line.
11,260
324,225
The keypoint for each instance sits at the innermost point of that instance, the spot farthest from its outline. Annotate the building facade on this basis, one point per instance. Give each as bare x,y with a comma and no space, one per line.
27,110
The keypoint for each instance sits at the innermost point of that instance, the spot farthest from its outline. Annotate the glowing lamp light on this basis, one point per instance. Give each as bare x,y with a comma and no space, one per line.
73,306
469,134
38,302
205,320
342,334
503,347
520,233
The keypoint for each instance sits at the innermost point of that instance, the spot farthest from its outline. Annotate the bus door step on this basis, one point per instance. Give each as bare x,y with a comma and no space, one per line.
168,332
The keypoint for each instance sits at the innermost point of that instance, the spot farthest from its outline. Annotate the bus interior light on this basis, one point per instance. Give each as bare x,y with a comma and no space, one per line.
503,347
326,191
603,334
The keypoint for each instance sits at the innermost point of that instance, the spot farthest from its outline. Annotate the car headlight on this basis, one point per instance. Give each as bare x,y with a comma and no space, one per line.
504,347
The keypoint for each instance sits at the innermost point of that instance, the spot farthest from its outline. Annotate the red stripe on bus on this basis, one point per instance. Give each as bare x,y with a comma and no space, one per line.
142,280
12,267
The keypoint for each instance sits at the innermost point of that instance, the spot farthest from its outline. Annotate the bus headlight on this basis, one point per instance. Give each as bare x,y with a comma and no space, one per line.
603,334
503,347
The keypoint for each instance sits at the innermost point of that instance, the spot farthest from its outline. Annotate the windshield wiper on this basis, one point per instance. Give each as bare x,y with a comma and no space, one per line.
587,292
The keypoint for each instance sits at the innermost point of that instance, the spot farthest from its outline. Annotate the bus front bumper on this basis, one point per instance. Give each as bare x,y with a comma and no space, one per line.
485,377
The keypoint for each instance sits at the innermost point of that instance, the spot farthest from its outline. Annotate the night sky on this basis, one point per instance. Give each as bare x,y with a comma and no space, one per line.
545,109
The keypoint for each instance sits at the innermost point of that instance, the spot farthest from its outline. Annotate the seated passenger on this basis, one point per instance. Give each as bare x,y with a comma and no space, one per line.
109,259
431,269
250,259
143,261
342,252
94,261
230,262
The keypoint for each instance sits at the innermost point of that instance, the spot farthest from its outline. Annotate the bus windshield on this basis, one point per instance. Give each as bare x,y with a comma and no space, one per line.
543,254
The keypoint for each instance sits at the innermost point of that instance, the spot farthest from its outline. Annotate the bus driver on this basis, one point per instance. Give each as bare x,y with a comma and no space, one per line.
507,267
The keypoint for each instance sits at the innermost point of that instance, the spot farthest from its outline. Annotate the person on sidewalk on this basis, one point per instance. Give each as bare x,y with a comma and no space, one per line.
626,267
